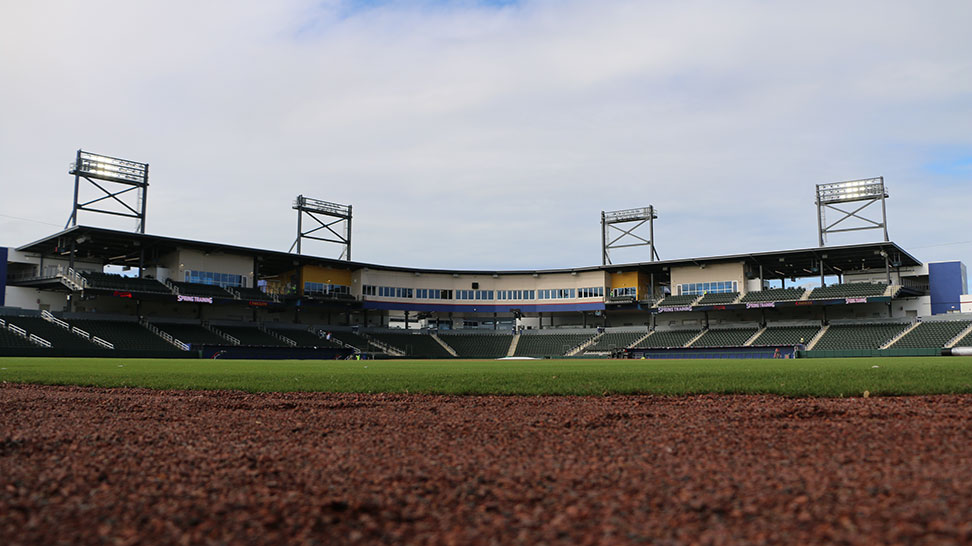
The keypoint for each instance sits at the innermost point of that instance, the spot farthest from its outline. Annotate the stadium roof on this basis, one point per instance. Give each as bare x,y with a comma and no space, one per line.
122,248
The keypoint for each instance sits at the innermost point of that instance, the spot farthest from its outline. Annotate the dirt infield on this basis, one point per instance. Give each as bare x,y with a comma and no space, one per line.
127,466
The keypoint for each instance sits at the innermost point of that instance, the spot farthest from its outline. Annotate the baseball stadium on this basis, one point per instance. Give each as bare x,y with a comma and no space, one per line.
233,394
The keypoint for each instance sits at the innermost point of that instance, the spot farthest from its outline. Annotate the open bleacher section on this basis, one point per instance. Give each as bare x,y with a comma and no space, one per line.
11,340
858,336
478,345
546,345
201,290
852,290
931,334
125,335
192,334
109,281
251,335
58,337
787,335
773,294
611,341
678,301
725,337
668,338
718,298
966,341
416,345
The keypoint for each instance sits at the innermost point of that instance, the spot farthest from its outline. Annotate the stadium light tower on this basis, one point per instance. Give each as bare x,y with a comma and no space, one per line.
118,177
867,191
609,221
314,208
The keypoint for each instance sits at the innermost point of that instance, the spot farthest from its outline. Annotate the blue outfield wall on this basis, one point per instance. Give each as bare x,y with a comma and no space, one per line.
946,283
3,275
482,308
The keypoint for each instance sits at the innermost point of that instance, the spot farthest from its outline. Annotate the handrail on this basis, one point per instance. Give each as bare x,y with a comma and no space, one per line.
17,330
164,335
80,332
102,342
34,338
46,315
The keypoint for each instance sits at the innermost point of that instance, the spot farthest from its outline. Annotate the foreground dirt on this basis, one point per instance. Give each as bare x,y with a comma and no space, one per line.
126,466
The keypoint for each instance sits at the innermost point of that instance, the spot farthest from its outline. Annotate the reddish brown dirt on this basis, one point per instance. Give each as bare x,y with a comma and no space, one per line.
126,466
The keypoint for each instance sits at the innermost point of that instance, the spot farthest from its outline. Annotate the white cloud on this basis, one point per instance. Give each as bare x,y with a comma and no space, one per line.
471,136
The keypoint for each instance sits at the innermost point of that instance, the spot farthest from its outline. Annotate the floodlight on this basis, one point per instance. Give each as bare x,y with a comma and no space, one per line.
866,190
312,208
131,174
640,215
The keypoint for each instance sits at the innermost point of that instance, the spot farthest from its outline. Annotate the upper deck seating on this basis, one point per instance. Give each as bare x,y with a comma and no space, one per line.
109,281
670,338
852,290
931,334
787,335
478,345
773,294
677,301
728,337
858,336
549,345
201,290
718,298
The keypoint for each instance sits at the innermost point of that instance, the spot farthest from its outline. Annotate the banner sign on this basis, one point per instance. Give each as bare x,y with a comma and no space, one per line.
856,300
761,305
195,299
674,309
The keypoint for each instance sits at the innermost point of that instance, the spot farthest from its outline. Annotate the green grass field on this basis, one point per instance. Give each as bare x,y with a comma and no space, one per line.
811,377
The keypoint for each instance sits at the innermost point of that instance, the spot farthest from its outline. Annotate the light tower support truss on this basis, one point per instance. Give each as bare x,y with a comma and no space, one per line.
625,237
867,191
115,178
334,214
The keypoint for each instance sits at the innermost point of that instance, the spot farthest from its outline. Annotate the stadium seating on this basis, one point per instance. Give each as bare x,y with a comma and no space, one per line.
303,338
417,345
786,335
549,345
671,338
931,334
355,340
251,335
676,301
720,298
252,294
615,340
10,340
858,336
773,294
966,341
852,290
125,335
59,337
202,290
727,337
108,281
478,345
193,334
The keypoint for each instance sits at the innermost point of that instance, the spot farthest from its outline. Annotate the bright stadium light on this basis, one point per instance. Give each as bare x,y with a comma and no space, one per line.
129,201
324,207
866,190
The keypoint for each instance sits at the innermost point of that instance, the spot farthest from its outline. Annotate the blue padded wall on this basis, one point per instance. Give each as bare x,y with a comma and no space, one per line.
946,283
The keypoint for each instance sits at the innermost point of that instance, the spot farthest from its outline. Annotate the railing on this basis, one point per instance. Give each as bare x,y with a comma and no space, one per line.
277,335
36,339
174,288
106,344
17,330
164,335
46,315
221,334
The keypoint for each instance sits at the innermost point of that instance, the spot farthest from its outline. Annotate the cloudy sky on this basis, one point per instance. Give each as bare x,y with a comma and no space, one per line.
477,134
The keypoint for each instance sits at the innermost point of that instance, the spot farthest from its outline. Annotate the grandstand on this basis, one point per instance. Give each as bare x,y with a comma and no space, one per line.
477,344
549,345
101,283
858,336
